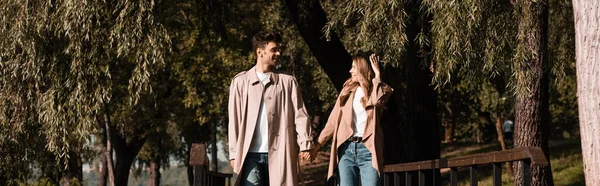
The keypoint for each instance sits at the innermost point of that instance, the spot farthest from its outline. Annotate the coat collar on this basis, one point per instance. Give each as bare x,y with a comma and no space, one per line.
274,77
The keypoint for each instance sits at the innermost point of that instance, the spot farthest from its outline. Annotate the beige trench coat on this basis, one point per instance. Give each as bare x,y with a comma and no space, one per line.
373,134
289,131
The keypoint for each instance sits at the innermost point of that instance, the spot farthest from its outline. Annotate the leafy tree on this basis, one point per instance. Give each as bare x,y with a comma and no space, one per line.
56,59
531,104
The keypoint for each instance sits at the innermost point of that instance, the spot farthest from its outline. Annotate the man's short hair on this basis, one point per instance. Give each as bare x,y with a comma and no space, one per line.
261,39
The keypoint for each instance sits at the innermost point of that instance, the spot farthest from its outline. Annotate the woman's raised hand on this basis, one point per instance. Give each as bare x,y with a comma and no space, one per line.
375,64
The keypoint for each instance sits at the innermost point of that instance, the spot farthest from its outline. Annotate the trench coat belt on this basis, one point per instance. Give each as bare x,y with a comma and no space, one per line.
355,139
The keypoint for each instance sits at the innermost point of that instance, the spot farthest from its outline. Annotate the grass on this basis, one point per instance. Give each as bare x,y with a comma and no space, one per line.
565,159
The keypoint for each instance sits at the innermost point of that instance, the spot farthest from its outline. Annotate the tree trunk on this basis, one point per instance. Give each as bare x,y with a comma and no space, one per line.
448,131
155,172
213,148
587,48
190,169
103,170
108,150
126,153
123,166
310,18
449,125
500,132
155,160
125,150
531,107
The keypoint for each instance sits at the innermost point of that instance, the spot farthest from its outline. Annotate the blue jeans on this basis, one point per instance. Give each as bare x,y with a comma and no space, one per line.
255,170
354,163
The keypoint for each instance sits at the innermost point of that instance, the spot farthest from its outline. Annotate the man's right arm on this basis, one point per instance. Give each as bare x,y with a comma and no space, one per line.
234,112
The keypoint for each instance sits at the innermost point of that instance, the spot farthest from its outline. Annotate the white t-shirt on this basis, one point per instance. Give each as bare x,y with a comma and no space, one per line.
260,139
359,114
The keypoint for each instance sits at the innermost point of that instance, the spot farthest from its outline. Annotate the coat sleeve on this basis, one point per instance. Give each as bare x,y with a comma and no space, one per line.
234,109
332,121
303,128
380,93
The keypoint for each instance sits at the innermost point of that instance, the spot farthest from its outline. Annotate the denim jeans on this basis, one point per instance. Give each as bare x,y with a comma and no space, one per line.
354,163
255,170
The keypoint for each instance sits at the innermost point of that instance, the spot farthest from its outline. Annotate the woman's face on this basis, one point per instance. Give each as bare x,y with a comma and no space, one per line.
354,72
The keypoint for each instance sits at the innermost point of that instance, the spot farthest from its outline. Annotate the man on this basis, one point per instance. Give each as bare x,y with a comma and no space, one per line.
268,122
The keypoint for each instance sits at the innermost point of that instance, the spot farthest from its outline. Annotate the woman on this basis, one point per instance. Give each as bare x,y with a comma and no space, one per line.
354,124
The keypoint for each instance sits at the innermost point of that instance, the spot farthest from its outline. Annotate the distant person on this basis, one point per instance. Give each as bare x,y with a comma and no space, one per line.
268,122
507,129
354,125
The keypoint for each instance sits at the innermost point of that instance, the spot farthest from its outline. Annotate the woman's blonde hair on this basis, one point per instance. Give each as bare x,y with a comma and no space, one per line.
365,76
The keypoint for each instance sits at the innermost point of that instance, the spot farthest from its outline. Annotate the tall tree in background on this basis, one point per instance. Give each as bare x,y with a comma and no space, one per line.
531,68
587,47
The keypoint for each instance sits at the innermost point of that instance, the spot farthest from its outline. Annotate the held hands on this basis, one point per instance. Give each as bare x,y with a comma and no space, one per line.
375,64
305,155
314,152
311,154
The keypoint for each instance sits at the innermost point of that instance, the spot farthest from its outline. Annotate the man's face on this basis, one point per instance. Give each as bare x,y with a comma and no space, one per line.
269,54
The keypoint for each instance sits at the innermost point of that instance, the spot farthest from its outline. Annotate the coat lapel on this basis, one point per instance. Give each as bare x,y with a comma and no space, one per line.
254,99
346,130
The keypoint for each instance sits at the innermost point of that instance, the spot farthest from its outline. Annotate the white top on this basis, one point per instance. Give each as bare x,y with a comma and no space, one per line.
359,114
260,139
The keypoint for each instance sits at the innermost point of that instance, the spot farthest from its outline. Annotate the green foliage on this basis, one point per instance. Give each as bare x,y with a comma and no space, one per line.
372,25
55,62
474,38
563,81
